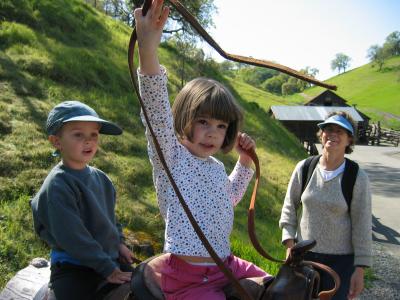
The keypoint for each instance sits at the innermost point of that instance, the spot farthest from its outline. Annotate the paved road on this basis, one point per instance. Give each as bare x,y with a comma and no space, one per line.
383,167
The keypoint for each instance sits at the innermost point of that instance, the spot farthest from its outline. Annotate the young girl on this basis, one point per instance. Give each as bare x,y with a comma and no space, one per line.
204,120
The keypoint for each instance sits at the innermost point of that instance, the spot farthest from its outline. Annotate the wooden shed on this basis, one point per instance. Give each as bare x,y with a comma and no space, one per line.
302,120
327,98
330,98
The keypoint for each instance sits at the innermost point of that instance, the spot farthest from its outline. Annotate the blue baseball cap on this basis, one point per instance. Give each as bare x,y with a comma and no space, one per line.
338,120
70,111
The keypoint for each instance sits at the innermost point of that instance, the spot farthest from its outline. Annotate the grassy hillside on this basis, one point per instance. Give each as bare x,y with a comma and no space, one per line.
54,50
376,93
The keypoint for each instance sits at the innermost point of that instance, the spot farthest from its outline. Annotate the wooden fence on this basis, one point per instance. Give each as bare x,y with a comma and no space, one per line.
377,135
374,134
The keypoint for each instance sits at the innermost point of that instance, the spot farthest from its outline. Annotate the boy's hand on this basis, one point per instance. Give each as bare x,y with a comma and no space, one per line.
119,277
125,255
244,143
149,29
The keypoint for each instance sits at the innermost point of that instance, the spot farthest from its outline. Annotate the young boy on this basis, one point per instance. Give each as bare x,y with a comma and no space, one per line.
74,209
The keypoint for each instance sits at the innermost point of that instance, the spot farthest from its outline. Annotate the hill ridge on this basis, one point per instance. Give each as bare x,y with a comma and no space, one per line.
375,93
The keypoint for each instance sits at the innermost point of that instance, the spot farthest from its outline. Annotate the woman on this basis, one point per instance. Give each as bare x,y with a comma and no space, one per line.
343,234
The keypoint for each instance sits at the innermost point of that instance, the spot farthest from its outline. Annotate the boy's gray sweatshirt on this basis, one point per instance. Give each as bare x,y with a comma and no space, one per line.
74,212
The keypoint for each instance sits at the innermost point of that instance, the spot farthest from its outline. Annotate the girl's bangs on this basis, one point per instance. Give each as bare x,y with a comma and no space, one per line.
219,108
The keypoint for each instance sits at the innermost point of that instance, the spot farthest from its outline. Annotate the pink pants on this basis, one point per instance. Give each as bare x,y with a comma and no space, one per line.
183,281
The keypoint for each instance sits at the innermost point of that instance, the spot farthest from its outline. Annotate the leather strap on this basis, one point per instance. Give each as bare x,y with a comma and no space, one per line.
251,213
326,295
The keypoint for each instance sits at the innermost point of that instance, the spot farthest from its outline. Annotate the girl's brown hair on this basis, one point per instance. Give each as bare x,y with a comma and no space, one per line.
204,97
349,148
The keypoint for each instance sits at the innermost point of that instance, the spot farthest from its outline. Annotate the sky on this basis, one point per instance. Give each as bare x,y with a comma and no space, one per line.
301,33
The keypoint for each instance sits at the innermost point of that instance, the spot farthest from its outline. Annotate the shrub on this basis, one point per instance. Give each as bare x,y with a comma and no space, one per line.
17,10
13,33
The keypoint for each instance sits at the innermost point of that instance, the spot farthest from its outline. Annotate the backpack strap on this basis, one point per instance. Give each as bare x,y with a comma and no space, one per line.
348,180
308,168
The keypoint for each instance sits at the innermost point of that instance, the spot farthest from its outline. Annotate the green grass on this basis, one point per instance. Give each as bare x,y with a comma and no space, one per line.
54,50
375,93
18,242
262,98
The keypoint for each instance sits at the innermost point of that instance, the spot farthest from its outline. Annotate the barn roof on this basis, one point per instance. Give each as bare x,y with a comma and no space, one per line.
327,94
311,113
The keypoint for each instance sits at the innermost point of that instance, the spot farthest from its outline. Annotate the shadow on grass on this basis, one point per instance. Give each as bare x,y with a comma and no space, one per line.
20,82
70,22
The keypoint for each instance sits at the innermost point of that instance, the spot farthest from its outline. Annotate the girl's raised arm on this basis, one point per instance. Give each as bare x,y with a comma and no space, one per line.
149,29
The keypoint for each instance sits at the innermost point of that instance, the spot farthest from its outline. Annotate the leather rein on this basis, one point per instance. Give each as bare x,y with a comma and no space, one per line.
251,212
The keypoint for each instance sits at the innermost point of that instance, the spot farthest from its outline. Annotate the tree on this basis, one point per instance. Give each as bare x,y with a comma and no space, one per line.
301,84
312,71
178,29
202,10
98,4
182,32
289,88
341,62
274,81
392,43
255,75
228,68
115,8
378,55
123,10
274,84
192,59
